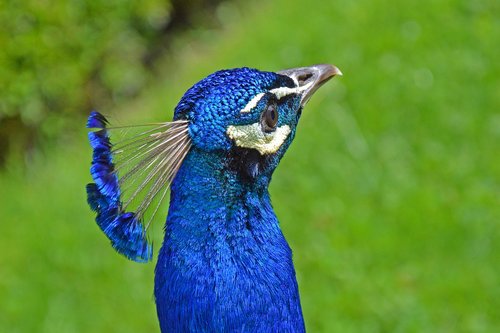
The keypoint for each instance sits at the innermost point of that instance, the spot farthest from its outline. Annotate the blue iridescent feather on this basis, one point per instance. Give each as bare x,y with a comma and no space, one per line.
126,233
95,199
96,120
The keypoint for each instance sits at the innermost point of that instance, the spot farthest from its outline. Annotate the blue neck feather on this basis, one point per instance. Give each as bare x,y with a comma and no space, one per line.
224,264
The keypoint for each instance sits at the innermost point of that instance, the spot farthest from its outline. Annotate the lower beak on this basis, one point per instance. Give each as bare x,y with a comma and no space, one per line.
309,79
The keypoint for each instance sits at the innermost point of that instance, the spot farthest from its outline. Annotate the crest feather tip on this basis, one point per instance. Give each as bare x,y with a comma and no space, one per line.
96,120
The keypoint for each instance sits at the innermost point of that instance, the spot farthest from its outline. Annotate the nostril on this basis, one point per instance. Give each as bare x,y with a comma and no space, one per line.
304,78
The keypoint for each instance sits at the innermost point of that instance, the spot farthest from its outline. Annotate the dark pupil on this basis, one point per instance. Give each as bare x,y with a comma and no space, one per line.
272,116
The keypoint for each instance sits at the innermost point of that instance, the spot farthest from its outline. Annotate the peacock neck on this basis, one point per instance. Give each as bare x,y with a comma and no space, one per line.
210,193
224,263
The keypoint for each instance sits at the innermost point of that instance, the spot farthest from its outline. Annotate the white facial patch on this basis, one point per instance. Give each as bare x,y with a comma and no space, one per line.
252,136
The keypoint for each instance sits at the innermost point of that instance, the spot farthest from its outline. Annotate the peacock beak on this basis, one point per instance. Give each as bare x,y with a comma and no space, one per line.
309,79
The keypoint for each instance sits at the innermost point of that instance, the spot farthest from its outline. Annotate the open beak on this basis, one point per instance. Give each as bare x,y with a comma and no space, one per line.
309,79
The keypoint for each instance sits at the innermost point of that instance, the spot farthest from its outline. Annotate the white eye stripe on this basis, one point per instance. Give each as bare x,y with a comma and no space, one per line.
285,91
278,92
253,103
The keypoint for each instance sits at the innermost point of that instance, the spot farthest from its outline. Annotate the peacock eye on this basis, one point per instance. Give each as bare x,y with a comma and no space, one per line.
269,118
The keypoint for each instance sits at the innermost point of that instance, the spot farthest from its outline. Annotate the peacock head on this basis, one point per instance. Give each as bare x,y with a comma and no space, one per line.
244,116
249,114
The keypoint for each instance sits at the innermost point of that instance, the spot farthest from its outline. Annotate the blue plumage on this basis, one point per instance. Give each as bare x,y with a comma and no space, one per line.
224,265
96,120
126,233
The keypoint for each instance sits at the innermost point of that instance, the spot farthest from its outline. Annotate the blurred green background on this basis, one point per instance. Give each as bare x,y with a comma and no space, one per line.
389,195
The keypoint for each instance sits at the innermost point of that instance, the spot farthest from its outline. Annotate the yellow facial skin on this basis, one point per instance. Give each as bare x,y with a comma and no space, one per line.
252,136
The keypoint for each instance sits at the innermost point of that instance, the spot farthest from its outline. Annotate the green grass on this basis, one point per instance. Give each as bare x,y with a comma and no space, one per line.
389,195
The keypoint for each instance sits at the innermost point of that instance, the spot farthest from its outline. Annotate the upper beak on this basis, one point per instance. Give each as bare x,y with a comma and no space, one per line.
309,79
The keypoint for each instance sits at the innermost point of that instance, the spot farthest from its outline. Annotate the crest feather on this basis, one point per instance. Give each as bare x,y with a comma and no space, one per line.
129,176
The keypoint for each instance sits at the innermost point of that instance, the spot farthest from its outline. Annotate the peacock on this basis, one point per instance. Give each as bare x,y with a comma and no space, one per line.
224,265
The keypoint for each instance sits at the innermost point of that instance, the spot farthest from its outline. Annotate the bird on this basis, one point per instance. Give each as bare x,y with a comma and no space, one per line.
224,265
